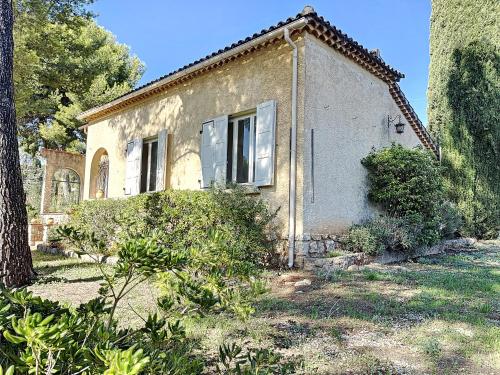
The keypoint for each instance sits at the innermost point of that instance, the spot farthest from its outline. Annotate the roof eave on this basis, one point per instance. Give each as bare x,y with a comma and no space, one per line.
274,34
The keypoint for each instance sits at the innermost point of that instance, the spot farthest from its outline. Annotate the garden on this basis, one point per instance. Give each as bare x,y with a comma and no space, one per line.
198,288
435,316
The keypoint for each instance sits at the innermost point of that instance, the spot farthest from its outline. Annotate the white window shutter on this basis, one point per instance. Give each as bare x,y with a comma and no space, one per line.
162,160
221,124
264,143
133,171
207,154
214,151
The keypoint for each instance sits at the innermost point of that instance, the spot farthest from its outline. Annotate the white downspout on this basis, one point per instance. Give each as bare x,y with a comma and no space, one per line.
293,154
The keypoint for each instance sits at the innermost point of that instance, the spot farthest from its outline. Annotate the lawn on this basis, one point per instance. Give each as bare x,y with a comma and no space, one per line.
439,315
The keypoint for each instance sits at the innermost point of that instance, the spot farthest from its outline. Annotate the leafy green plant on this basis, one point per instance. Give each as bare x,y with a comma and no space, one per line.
464,96
407,185
9,371
361,239
234,361
41,336
383,233
404,181
184,219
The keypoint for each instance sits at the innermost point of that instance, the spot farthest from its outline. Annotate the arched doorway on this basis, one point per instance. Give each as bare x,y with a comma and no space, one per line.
65,190
99,174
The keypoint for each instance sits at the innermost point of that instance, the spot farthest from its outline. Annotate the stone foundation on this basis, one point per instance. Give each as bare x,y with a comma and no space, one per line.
357,260
316,245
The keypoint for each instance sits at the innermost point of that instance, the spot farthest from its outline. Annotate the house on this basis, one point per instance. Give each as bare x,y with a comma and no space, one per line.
289,112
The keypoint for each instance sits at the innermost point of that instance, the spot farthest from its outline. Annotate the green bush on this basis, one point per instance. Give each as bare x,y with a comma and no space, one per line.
407,185
450,220
382,233
40,336
404,181
361,239
183,218
464,97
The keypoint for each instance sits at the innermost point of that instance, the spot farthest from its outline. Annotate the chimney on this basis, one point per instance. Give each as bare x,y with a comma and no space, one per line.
307,10
376,52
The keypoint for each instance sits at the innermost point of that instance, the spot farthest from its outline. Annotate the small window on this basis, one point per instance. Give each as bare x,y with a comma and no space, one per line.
149,165
241,149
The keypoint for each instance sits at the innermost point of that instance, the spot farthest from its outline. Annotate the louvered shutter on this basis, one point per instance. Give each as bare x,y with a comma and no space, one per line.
162,160
214,151
265,130
220,124
133,169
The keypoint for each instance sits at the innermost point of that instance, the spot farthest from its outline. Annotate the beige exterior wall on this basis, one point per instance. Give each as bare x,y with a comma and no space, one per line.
235,87
347,107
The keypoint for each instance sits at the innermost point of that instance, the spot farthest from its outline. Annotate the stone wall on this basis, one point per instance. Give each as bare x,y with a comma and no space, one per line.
55,160
316,245
35,233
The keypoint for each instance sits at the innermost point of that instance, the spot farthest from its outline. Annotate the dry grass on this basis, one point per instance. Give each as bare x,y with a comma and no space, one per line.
437,316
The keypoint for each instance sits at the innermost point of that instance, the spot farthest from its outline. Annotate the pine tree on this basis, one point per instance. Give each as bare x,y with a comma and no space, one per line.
15,255
464,107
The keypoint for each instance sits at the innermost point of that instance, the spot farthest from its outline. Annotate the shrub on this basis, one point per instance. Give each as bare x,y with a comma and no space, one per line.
361,239
382,233
407,185
183,218
40,336
404,181
450,220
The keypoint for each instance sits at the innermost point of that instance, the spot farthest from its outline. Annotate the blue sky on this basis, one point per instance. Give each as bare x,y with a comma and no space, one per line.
169,34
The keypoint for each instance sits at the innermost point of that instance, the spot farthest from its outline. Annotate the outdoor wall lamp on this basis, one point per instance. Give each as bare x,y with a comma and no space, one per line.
398,124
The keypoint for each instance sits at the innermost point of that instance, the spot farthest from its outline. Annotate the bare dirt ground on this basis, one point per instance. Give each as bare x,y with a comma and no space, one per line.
439,315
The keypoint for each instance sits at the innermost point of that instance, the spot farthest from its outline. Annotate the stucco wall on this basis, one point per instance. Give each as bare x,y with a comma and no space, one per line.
235,87
347,107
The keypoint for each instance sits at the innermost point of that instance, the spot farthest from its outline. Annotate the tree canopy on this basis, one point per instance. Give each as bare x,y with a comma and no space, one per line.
464,102
64,63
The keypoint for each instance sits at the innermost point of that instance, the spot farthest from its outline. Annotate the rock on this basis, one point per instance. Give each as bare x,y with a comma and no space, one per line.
304,282
459,243
330,245
313,247
353,267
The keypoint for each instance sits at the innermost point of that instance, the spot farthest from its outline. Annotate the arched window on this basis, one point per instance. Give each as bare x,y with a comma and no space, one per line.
99,175
65,190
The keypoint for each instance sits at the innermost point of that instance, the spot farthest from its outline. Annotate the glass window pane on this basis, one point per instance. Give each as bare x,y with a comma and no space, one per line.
144,167
229,170
153,166
243,154
253,146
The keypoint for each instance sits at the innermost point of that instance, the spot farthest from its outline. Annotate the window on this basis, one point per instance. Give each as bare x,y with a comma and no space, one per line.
149,165
65,190
241,149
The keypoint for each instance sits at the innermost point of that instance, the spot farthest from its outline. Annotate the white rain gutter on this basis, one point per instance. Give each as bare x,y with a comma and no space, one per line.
293,154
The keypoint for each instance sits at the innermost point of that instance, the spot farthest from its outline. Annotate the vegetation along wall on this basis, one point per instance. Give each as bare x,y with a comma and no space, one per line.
464,102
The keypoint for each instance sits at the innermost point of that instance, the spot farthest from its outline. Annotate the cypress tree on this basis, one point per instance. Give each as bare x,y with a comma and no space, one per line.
464,107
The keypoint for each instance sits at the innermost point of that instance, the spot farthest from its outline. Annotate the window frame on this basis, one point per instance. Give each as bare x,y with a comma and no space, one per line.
148,143
233,119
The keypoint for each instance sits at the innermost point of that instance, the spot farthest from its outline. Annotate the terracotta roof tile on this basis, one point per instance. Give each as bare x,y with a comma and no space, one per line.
323,30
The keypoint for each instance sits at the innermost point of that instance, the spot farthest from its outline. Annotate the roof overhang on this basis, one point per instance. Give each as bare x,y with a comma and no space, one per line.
309,22
304,22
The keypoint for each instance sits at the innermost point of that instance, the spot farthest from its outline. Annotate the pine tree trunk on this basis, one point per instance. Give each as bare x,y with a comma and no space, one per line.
15,254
